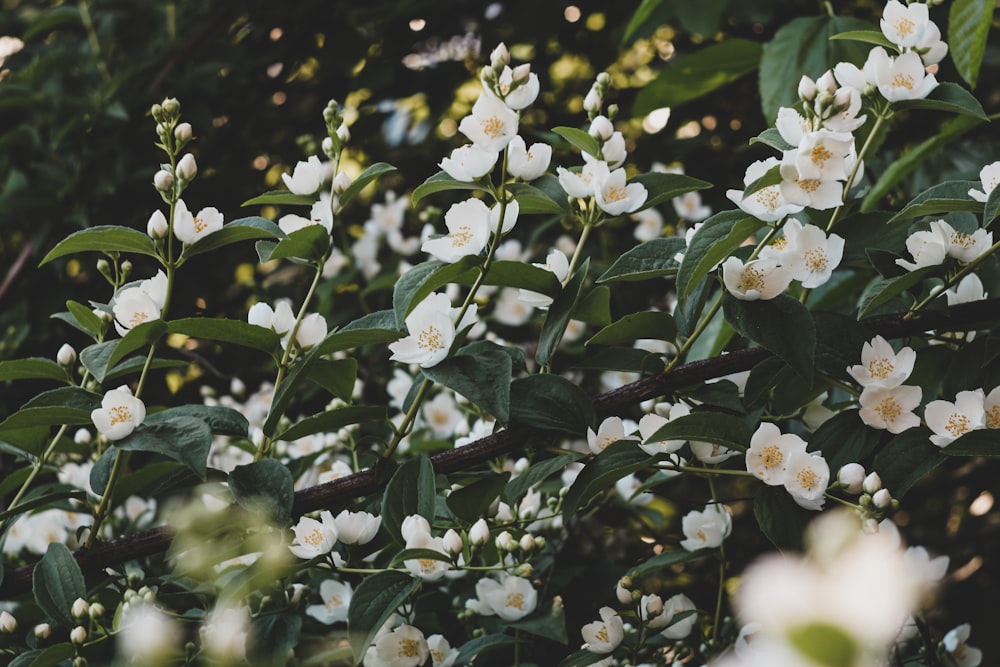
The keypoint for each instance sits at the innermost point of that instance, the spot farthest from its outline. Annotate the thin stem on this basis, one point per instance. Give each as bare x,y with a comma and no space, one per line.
966,270
101,513
711,471
35,469
722,573
409,418
881,116
698,331
584,233
95,44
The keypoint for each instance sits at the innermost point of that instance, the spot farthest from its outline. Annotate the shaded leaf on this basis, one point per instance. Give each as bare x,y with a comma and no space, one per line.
647,324
181,438
280,198
580,139
715,427
652,259
411,490
559,315
472,502
552,403
227,331
32,368
782,325
57,582
945,197
420,281
333,420
483,378
780,519
264,487
619,459
712,243
441,182
103,238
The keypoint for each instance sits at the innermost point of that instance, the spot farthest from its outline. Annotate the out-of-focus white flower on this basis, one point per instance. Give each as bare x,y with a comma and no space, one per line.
881,366
610,430
356,527
757,279
605,635
511,600
443,415
469,162
690,207
711,452
649,424
952,420
224,634
491,125
510,310
336,598
404,646
442,654
314,538
806,477
558,264
527,163
706,529
769,452
989,176
306,177
8,624
119,414
190,228
147,636
955,643
432,329
649,224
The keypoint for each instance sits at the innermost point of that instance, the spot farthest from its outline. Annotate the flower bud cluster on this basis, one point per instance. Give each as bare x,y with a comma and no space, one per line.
336,129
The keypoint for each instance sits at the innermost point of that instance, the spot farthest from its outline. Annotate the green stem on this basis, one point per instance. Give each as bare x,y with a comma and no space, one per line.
711,471
95,45
881,116
409,418
966,270
104,506
584,233
36,468
722,572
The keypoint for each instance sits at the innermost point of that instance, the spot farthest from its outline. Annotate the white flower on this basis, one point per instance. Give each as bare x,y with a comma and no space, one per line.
479,533
442,654
524,93
511,600
527,163
404,646
881,366
306,178
902,78
651,423
927,569
890,408
812,255
133,307
844,113
706,529
356,527
414,525
852,476
928,248
821,154
443,415
767,204
336,598
509,217
963,654
613,150
510,310
963,246
605,635
428,569
224,634
469,162
314,538
803,191
710,452
492,124
690,207
806,478
610,430
989,176
468,232
969,289
769,452
757,279
189,228
951,420
614,196
312,330
558,264
432,331
904,25
119,414
584,183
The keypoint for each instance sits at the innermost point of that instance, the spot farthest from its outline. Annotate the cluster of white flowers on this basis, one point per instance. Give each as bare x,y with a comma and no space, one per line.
971,410
140,303
280,319
318,538
779,459
941,241
886,403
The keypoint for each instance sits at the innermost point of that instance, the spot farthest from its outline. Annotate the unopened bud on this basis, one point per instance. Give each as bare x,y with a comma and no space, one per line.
521,73
827,83
452,542
187,168
42,631
78,635
592,102
872,483
654,606
328,147
157,112
505,541
603,79
527,542
331,111
8,624
882,498
171,107
96,610
66,355
807,89
183,133
82,436
601,128
500,56
341,182
157,228
852,476
524,570
80,608
126,268
480,532
623,594
163,180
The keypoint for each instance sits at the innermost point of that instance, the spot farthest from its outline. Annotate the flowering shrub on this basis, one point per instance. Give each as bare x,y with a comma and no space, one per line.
406,488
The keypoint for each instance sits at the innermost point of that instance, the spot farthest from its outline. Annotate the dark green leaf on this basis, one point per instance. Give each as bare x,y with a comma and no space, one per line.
844,439
32,501
221,420
265,487
184,439
666,559
65,405
332,420
57,18
104,238
552,403
472,502
580,139
782,325
651,259
244,229
875,37
285,392
968,28
945,197
539,470
310,243
617,358
698,74
647,324
441,182
534,200
363,179
272,637
57,654
483,644
134,366
780,519
136,337
715,427
949,97
992,207
483,378
227,331
350,338
662,186
95,358
906,459
712,243
375,599
619,459
32,368
548,623
982,442
280,198
883,290
337,376
582,658
85,317
380,319
559,315
595,307
57,582
411,490
515,274
771,177
420,281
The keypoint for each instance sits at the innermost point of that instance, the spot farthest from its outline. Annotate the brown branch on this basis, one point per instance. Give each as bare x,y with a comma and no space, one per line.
338,492
16,267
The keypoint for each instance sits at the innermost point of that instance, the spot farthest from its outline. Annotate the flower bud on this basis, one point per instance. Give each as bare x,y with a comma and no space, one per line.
527,542
827,83
592,102
524,570
126,268
78,635
187,168
341,182
157,228
852,476
500,56
163,180
505,541
157,112
331,111
96,610
343,133
480,532
42,631
183,133
171,107
623,594
872,483
328,147
66,355
807,89
654,607
520,74
882,499
80,608
452,542
601,128
8,624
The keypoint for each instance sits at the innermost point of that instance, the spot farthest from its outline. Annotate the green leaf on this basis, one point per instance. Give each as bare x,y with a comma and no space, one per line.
272,637
57,654
32,368
582,658
559,315
699,74
244,229
85,317
349,338
285,392
65,405
803,46
883,290
772,137
472,502
309,243
418,554
441,182
483,378
715,427
907,459
666,559
949,97
651,259
780,519
483,644
337,376
265,487
617,358
580,139
595,307
104,238
639,19
55,19
619,459
32,501
236,332
875,37
57,582
548,623
771,177
647,324
825,644
332,420
661,187
280,198
844,439
363,179
505,273
423,279
712,243
552,403
538,471
533,200
136,337
379,320
411,490
981,442
375,599
221,420
782,325
95,358
181,438
968,28
946,197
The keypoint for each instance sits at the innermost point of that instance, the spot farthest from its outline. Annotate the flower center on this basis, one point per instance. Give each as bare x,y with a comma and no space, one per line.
492,127
807,479
889,410
137,318
902,81
200,225
334,602
427,563
768,197
614,194
313,538
753,279
461,237
515,600
120,414
962,239
880,368
904,27
816,260
809,184
993,416
957,424
408,648
430,339
819,155
602,634
772,456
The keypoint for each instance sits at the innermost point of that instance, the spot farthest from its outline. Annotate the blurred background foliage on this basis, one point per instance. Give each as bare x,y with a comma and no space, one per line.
253,76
